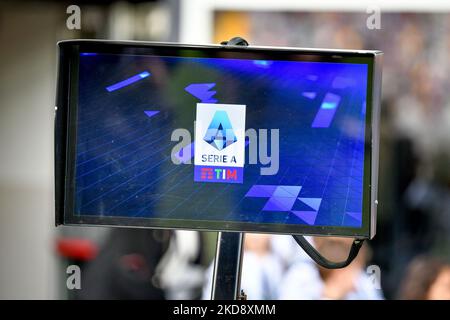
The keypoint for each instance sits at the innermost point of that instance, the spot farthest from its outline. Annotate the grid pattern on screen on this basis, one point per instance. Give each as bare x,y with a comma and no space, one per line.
129,106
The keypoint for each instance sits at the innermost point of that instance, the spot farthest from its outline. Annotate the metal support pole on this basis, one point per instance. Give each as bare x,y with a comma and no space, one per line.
227,266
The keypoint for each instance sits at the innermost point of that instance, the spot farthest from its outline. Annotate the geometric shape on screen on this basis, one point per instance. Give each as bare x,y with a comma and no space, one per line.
151,113
220,133
261,191
309,94
363,108
308,216
313,203
327,110
355,215
128,81
201,91
262,63
352,219
342,83
301,206
287,191
279,204
281,198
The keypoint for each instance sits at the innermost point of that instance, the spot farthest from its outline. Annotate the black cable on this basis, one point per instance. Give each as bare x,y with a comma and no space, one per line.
324,262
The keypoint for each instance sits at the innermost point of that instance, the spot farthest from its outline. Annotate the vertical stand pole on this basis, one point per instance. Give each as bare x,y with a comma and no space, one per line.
227,266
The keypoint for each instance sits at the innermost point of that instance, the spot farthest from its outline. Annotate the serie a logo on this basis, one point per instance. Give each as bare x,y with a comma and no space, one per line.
219,155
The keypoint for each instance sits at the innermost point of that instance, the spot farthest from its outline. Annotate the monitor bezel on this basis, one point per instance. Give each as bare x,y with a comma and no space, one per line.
65,132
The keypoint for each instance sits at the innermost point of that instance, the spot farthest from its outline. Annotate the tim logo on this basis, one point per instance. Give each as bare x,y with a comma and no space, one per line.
217,174
206,173
220,153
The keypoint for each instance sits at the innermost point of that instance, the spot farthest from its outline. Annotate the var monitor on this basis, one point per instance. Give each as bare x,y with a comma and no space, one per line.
222,138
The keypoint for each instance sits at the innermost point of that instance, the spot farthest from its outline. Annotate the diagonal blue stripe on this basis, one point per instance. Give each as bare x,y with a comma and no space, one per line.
128,81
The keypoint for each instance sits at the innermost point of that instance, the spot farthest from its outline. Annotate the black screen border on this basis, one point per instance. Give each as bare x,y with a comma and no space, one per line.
66,120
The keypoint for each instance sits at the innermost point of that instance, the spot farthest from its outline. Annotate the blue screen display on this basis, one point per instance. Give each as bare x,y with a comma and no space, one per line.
262,141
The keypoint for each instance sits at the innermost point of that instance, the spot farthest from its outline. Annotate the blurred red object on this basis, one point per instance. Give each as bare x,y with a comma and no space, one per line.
76,249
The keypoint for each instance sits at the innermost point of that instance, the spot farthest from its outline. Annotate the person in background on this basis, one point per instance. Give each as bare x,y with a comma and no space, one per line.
266,260
427,278
262,269
145,264
275,267
305,280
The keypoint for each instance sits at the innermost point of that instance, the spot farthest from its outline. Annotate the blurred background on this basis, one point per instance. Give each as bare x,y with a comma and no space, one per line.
409,257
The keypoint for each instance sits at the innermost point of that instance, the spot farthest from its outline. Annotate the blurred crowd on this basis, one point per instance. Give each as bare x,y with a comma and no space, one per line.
149,264
276,268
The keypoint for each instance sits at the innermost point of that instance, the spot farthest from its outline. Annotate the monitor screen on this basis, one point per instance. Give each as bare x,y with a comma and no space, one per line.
220,142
